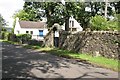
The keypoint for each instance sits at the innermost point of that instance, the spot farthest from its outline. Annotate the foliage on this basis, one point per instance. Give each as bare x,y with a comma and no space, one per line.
22,38
50,10
2,33
113,25
2,21
22,15
6,35
98,23
35,42
118,17
55,12
3,29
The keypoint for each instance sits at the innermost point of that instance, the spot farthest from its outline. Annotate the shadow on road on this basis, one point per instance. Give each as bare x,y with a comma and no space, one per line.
18,62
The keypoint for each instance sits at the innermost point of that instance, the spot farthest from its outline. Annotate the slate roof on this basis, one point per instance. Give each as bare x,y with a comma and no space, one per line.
32,24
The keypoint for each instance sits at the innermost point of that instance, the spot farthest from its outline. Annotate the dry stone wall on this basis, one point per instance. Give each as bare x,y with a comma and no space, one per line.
96,43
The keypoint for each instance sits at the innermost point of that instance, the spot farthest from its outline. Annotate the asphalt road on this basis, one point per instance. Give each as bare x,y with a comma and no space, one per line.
18,62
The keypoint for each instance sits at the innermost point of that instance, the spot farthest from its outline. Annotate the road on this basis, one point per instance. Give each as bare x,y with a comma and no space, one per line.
18,62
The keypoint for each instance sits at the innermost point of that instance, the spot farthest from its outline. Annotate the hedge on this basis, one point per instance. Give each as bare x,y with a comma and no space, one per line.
23,38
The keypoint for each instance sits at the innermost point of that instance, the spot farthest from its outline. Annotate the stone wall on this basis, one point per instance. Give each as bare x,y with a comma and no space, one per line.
96,43
49,39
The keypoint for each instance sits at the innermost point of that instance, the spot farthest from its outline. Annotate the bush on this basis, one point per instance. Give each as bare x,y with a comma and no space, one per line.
113,25
2,35
7,36
35,42
11,37
98,23
23,38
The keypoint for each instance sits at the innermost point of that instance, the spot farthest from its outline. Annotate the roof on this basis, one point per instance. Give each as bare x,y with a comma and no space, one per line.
32,24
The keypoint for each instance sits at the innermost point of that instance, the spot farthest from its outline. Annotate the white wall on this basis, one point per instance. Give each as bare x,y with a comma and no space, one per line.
17,27
76,24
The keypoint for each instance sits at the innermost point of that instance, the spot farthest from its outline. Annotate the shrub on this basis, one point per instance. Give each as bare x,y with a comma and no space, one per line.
35,42
2,35
23,38
11,37
98,23
112,25
6,35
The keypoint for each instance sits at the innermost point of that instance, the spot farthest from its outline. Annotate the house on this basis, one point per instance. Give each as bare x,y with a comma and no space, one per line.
73,25
37,29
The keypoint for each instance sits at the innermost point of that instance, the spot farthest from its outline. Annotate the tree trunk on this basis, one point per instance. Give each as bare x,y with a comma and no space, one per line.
67,23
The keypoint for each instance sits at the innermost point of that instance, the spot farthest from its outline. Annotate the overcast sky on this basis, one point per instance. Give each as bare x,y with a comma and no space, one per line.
8,8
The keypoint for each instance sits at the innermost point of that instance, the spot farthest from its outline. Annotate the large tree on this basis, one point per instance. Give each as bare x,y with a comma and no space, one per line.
55,12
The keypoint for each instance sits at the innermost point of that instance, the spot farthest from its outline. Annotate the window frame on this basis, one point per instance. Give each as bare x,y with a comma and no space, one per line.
41,35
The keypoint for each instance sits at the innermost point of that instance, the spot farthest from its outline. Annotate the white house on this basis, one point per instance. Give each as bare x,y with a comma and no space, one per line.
37,29
73,25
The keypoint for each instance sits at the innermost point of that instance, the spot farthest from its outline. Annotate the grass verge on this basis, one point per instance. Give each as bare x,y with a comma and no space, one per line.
99,61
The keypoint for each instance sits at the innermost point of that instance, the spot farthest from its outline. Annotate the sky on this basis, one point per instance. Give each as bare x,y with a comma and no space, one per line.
8,8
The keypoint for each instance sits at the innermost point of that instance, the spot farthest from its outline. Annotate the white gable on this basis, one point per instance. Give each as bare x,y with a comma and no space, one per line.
17,28
73,24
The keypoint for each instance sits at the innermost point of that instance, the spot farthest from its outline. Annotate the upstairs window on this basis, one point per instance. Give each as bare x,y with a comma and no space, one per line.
27,32
31,32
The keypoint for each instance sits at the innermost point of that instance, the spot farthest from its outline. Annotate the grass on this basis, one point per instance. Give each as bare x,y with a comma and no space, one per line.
31,47
99,61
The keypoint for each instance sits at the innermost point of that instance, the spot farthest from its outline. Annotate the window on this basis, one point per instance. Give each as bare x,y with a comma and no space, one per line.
27,31
41,33
72,23
31,32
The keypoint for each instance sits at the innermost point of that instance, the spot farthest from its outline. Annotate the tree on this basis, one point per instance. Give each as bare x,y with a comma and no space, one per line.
2,21
22,15
55,12
45,9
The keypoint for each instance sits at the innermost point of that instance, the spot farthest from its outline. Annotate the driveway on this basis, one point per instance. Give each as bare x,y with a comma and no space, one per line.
18,62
